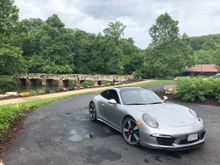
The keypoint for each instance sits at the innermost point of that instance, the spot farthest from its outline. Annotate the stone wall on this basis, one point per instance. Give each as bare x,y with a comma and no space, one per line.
60,79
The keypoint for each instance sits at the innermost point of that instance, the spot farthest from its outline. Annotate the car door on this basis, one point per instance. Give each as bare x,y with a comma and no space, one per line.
103,102
112,112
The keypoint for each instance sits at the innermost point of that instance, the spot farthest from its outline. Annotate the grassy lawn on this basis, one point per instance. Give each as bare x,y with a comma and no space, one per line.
156,82
10,112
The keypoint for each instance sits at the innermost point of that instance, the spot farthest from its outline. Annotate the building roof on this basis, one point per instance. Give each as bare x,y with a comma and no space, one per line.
203,68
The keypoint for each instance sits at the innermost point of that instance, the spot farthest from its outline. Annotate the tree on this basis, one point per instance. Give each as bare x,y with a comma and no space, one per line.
11,60
217,57
165,30
204,57
8,16
115,30
169,53
51,46
55,21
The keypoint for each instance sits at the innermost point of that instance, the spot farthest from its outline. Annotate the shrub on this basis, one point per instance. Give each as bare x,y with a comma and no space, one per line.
8,114
7,84
87,83
105,82
25,94
198,89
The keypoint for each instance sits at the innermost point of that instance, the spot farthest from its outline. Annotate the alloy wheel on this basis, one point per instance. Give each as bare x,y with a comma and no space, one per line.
92,111
131,131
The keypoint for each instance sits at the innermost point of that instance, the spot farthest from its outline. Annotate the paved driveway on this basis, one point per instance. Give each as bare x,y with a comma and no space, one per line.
61,134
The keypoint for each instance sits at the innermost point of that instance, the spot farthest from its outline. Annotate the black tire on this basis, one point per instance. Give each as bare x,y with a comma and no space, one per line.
92,111
130,131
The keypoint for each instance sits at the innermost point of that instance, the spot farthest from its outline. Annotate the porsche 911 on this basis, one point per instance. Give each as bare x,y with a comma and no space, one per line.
144,118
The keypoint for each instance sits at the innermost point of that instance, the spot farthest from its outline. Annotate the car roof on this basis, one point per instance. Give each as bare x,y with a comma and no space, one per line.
125,88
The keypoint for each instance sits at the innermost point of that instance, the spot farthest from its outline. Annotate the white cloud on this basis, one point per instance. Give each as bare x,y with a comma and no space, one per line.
196,17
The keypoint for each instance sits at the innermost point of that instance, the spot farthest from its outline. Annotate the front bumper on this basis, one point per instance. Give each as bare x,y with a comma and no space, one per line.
178,142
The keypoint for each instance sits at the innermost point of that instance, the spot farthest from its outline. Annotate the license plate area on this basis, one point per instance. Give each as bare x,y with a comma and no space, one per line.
192,137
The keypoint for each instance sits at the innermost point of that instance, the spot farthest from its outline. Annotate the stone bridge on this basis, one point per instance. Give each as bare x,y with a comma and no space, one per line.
63,80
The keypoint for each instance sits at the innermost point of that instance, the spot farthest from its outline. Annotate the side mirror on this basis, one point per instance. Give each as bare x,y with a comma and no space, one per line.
112,101
165,98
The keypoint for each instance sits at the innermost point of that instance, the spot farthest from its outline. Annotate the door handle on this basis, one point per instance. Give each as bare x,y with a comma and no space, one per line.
102,104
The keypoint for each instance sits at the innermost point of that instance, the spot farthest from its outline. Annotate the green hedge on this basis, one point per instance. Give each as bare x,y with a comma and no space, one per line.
199,89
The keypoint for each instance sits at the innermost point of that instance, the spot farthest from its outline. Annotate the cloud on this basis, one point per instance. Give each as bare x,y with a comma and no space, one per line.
197,17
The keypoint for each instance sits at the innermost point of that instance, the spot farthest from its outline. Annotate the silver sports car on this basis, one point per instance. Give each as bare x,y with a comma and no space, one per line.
143,118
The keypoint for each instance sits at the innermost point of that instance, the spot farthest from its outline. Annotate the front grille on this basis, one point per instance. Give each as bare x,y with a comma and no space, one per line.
165,141
184,141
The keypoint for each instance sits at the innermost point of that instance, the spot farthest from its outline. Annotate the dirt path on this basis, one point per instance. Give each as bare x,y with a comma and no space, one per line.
81,91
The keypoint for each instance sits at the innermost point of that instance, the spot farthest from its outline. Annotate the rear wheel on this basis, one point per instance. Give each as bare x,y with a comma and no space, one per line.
92,111
130,131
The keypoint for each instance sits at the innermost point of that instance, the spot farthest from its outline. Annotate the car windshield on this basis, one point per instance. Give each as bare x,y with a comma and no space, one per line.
139,96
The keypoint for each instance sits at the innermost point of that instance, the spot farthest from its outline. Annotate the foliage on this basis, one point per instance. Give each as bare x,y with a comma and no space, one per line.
34,45
7,83
8,16
7,115
87,84
198,89
25,94
169,53
207,49
164,31
11,59
115,30
105,82
204,57
217,57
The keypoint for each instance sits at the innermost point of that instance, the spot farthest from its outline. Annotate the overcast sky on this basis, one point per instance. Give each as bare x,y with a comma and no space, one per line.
196,17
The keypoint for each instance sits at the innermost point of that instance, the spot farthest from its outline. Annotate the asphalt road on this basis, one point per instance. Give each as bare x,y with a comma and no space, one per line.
62,134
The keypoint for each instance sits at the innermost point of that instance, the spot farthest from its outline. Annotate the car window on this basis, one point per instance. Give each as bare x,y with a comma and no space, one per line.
105,94
113,95
139,96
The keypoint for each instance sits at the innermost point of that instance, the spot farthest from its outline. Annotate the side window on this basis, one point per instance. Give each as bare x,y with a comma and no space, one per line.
113,95
105,94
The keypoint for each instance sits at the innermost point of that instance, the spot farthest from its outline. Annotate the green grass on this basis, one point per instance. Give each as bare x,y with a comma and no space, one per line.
87,84
10,112
156,82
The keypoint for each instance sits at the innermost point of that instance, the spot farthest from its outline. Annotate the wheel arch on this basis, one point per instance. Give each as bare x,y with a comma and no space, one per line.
125,117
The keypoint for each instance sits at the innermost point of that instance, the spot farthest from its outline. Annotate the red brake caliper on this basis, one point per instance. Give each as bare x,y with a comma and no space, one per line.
129,130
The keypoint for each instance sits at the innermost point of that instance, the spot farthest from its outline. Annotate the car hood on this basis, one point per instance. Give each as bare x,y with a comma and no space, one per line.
166,114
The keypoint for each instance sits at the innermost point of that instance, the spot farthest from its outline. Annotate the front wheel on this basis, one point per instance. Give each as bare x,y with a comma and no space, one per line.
92,111
130,131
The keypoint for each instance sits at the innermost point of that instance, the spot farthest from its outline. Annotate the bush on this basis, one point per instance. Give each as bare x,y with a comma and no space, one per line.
105,82
7,84
8,114
87,84
38,92
198,89
25,94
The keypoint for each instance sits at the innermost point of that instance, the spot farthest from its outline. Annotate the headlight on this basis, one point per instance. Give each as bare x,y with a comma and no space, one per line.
193,113
150,121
